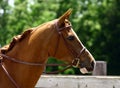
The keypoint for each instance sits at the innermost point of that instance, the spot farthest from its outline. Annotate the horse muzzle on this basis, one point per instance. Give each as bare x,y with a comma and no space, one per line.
83,68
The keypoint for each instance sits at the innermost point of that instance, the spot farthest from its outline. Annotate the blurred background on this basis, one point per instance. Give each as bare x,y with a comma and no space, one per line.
96,22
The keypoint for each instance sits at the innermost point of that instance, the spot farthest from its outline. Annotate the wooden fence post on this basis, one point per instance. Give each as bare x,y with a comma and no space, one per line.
100,68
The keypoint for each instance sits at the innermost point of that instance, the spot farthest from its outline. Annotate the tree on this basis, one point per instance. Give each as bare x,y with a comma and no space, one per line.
110,36
4,12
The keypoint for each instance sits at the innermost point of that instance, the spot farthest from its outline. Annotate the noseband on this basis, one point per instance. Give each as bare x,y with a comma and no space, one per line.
74,63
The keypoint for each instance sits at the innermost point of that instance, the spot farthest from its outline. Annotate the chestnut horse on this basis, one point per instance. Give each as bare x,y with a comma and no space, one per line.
23,60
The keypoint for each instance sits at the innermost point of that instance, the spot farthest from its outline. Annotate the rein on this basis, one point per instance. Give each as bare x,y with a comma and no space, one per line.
6,72
74,63
3,56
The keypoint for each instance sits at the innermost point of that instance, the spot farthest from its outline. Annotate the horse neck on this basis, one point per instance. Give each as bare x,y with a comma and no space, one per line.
32,49
35,46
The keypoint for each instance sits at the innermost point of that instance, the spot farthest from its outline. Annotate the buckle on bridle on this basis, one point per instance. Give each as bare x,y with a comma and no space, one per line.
76,62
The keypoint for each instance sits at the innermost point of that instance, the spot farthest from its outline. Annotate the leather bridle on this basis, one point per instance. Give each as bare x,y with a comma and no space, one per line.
74,63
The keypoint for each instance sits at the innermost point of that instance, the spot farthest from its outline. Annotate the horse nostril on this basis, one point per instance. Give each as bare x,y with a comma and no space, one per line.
93,64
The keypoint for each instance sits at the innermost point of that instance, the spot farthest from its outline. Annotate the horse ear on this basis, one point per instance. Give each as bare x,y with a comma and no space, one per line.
64,16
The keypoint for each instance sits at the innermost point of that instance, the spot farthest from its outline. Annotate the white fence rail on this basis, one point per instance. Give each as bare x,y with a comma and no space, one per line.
57,81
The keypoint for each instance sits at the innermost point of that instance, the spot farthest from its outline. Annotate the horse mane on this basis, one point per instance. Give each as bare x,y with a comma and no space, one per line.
15,39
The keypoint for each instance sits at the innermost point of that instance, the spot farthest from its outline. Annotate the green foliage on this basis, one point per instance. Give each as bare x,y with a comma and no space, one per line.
4,11
95,21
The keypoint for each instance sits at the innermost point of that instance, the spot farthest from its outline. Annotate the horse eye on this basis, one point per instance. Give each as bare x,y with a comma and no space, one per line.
71,37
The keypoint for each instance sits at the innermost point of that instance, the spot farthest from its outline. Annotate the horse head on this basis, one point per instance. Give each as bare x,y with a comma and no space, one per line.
68,46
